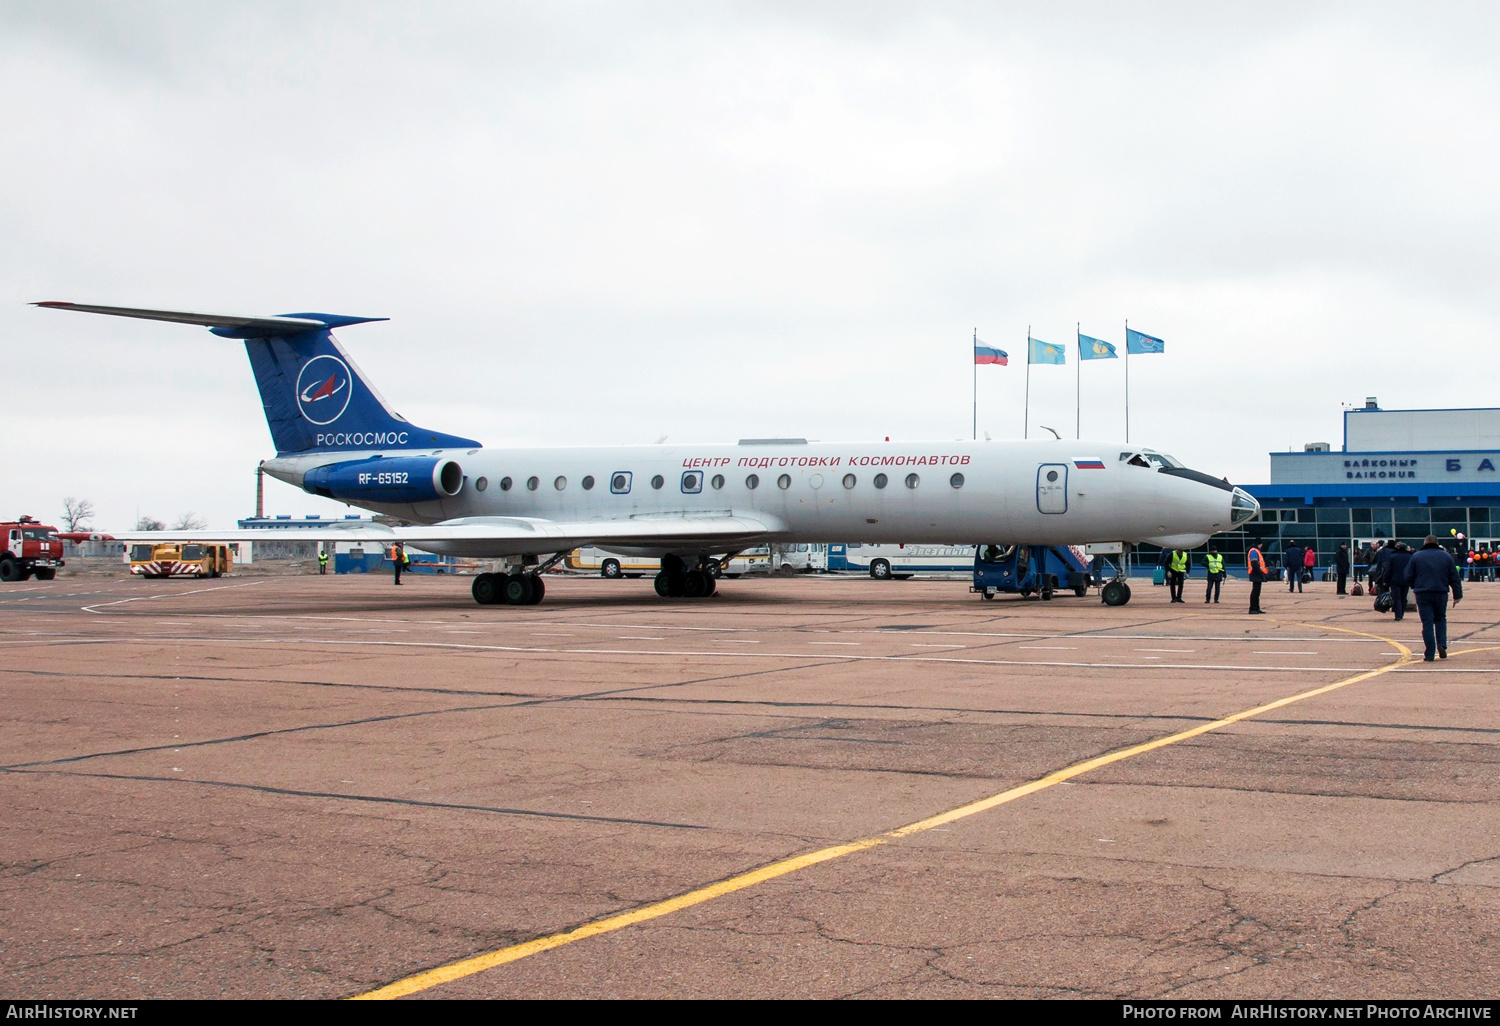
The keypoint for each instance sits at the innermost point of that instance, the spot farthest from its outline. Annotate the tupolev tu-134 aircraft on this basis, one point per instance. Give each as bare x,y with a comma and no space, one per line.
687,504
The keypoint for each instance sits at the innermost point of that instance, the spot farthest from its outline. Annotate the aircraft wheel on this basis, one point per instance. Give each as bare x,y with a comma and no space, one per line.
663,584
1115,593
538,589
713,585
46,573
695,584
880,569
10,570
517,589
486,589
610,568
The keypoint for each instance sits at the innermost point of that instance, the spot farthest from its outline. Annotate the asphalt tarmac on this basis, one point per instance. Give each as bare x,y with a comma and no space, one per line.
812,787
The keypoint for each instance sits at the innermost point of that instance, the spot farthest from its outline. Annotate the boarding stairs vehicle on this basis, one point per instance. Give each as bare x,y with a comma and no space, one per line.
1041,570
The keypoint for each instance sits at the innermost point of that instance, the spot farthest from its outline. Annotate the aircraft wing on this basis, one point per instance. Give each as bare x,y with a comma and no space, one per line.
510,536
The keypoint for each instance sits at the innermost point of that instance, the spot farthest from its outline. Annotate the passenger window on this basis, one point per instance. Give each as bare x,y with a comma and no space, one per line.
752,482
560,483
850,481
532,483
718,481
658,481
481,484
912,480
784,481
881,480
692,483
505,484
588,482
619,482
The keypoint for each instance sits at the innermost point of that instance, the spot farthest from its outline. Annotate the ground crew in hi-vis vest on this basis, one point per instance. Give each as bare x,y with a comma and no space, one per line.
1177,571
322,561
1215,563
1255,562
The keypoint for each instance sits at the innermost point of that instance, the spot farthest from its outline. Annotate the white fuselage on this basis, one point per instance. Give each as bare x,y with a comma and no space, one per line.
829,491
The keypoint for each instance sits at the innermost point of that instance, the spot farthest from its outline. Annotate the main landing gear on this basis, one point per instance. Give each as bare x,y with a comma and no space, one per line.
677,580
513,589
517,588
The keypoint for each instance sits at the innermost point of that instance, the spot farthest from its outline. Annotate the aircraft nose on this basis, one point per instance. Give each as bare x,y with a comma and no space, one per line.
1242,507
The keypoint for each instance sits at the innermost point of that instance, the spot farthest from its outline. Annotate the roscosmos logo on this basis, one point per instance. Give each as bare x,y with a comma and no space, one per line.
323,389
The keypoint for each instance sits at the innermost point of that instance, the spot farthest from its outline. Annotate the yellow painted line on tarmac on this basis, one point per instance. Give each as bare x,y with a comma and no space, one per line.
479,963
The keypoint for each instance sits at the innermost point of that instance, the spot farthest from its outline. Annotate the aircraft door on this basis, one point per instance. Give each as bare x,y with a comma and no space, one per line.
1052,488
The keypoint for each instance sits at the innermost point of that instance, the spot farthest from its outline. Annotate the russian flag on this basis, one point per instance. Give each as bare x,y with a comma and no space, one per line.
989,354
1088,463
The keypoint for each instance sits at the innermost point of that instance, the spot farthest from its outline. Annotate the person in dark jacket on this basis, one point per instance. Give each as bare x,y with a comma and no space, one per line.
1395,569
1430,573
1292,562
1379,577
1341,567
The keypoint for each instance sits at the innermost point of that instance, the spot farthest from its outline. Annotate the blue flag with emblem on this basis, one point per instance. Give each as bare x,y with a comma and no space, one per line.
1095,349
1045,352
1140,342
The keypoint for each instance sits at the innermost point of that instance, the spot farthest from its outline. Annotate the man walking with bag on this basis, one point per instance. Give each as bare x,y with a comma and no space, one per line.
1430,573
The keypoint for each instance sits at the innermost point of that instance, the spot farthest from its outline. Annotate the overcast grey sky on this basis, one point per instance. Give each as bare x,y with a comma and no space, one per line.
610,222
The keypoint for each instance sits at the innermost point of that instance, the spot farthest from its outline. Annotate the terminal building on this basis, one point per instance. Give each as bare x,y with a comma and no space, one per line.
1398,474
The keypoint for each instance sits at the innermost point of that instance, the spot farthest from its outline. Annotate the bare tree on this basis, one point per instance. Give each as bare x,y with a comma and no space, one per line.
75,512
190,521
149,524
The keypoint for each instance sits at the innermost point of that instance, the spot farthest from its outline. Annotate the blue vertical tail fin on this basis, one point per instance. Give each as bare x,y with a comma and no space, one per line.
318,400
315,397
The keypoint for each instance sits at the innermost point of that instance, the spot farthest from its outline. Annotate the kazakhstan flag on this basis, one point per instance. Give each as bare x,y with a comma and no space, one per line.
1095,349
1045,352
1139,342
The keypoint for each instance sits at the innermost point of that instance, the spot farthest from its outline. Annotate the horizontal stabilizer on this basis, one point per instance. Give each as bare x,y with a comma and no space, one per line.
226,325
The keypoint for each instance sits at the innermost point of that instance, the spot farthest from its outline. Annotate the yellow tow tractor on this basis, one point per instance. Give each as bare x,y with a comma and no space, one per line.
180,559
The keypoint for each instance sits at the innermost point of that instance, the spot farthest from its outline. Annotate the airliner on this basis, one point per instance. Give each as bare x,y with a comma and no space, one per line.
691,506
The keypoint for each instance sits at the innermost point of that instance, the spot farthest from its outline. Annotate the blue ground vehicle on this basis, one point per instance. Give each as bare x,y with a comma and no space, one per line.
1037,570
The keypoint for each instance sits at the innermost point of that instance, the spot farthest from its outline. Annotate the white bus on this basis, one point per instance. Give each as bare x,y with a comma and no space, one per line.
883,562
613,564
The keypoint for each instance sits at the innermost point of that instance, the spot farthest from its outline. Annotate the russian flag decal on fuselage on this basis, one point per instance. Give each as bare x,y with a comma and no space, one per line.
1088,463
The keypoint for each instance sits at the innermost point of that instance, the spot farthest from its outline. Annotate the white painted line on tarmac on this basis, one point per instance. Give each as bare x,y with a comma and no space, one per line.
1051,648
1179,650
854,643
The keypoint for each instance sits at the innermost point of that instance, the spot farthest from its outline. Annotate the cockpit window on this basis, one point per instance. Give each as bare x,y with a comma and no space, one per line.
1135,459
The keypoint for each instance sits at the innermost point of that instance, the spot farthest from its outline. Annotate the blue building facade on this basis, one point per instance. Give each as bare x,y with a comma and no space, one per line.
1397,475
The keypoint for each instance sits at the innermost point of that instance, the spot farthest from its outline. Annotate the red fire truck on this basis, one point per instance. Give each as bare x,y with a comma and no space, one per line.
29,547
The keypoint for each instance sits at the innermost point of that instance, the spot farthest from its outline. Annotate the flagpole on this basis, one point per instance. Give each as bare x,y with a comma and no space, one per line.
1026,410
1078,383
1127,379
974,359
